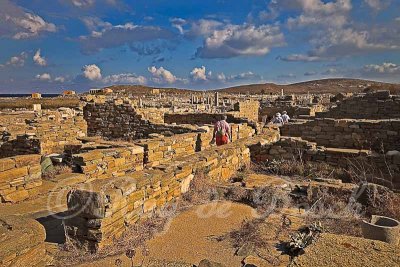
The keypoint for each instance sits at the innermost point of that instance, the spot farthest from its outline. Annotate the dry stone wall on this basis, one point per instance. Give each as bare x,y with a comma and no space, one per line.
296,149
246,109
357,134
104,211
118,119
377,105
162,150
154,115
18,175
49,132
108,162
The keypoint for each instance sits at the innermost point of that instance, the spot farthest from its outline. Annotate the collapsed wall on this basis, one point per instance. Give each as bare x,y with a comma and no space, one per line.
376,105
378,135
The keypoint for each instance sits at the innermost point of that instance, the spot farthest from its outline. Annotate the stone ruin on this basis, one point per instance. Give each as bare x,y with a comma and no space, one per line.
128,159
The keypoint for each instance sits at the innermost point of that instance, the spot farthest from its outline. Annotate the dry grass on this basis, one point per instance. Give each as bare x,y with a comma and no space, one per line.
382,201
248,233
47,103
133,239
308,170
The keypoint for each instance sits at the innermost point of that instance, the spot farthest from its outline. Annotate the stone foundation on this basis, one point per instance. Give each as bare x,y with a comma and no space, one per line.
120,120
357,134
377,105
18,175
48,132
104,161
104,211
293,148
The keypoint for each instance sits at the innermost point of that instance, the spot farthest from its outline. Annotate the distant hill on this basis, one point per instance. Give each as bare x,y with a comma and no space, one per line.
316,86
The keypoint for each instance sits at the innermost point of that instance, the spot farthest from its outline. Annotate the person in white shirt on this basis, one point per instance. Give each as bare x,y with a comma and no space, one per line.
277,118
285,117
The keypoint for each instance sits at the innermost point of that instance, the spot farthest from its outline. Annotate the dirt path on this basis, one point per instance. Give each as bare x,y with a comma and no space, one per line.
192,236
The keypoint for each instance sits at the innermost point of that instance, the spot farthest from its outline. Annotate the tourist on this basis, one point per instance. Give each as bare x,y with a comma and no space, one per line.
285,117
277,118
222,132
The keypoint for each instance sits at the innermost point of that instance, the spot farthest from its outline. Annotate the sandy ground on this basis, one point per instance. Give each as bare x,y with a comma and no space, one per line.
338,250
192,236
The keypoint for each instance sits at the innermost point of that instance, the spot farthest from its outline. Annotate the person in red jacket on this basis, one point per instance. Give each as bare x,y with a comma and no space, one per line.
222,132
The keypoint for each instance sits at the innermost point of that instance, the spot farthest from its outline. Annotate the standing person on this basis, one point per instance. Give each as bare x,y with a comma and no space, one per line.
222,132
277,118
285,117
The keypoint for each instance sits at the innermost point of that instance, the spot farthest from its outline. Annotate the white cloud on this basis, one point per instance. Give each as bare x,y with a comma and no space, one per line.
162,75
130,78
241,40
203,27
310,73
17,23
199,74
106,35
92,72
301,57
384,68
82,3
378,4
44,77
38,59
16,61
178,23
333,33
95,24
59,79
317,12
244,76
330,71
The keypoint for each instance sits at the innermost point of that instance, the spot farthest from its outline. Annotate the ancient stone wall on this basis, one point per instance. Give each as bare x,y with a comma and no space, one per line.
22,145
358,134
22,242
378,105
48,132
18,175
162,150
154,115
108,162
296,149
193,118
118,119
14,123
246,109
54,132
117,202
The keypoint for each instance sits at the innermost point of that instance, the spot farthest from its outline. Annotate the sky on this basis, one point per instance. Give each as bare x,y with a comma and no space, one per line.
54,45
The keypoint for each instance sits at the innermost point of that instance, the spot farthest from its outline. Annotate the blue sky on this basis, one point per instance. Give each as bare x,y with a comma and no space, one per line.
49,46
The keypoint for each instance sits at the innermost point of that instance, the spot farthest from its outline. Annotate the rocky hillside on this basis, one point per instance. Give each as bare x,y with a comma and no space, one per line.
316,86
